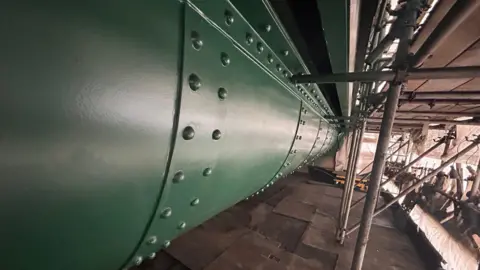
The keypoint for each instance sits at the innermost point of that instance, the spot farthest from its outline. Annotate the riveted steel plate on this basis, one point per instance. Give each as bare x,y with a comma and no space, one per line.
88,93
256,120
125,124
250,39
263,18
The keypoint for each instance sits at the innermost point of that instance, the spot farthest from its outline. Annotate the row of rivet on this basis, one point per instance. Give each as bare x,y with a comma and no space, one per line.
249,40
188,133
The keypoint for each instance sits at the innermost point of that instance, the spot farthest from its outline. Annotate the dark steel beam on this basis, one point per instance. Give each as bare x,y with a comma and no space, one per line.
440,95
460,12
372,76
441,101
433,121
429,113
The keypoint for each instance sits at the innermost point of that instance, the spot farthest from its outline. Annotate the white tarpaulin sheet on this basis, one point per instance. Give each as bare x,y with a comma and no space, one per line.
455,254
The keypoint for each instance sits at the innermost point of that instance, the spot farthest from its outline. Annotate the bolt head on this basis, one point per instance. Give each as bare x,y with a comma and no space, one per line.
138,260
166,244
167,212
188,133
178,177
182,225
225,59
195,202
260,47
279,68
194,82
217,134
197,43
267,28
222,93
284,53
152,240
152,255
207,171
249,39
228,17
270,59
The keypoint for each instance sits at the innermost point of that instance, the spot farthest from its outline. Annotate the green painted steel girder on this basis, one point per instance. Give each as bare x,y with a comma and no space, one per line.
126,123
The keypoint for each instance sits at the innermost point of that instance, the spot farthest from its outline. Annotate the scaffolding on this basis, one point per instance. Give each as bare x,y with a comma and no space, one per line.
403,67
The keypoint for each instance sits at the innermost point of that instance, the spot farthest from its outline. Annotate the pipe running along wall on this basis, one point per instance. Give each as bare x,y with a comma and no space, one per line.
124,124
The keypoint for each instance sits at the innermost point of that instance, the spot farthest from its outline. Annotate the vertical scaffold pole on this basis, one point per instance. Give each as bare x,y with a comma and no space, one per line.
391,105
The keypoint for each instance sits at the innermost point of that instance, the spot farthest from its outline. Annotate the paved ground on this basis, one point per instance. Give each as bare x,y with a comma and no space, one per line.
290,226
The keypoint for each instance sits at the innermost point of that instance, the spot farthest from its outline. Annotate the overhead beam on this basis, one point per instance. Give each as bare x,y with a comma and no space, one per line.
373,76
430,113
402,127
440,95
421,121
459,13
441,101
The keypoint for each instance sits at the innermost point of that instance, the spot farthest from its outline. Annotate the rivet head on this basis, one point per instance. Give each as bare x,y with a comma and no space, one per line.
194,82
313,91
222,93
279,68
285,73
216,134
267,28
197,43
249,39
152,255
178,177
225,59
152,240
167,212
138,260
182,225
262,190
207,171
188,133
284,53
166,244
195,202
270,59
260,47
228,17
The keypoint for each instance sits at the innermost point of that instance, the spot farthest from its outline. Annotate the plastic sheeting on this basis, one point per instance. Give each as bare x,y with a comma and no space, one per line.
454,253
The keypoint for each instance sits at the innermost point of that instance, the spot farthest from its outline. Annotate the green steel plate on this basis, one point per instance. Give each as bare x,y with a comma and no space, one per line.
87,103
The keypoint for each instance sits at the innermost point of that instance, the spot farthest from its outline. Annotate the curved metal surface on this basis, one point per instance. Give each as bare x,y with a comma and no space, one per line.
125,124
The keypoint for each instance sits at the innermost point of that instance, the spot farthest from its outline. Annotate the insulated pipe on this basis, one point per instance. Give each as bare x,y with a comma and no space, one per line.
372,76
420,182
424,154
